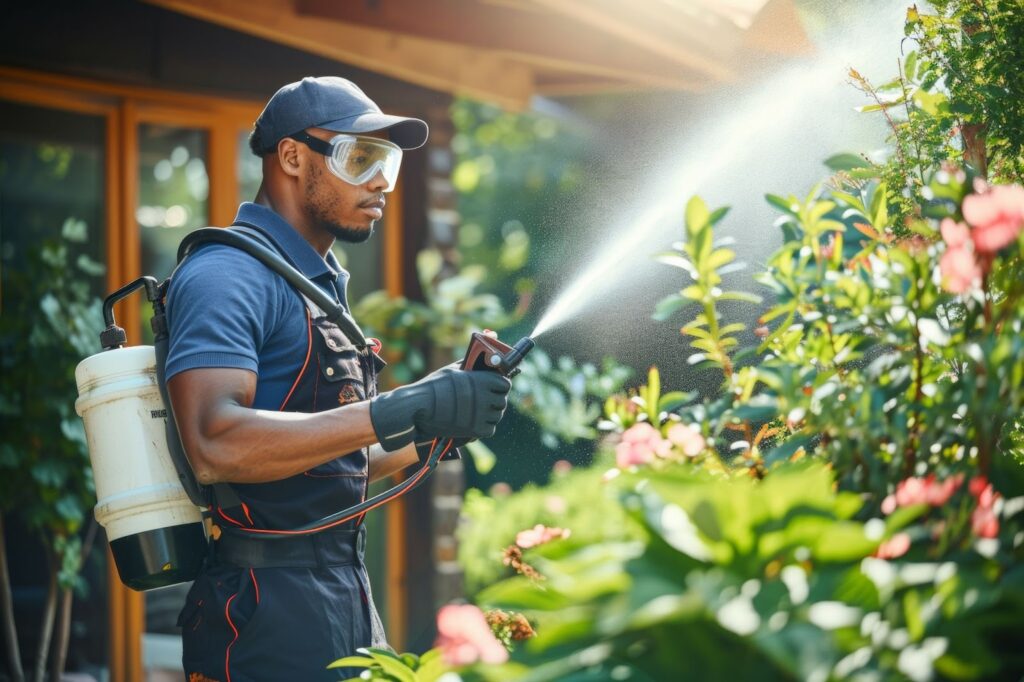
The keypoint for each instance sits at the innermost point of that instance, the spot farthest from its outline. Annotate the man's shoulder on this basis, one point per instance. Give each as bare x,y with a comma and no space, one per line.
212,265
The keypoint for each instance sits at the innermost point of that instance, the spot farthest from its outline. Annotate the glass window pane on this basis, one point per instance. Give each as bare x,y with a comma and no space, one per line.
173,192
173,197
52,169
250,169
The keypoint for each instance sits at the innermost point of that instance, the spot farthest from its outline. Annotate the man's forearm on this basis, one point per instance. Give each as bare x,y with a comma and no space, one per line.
243,445
383,464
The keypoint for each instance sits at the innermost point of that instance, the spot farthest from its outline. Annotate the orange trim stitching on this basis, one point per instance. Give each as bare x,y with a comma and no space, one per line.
228,518
245,508
227,652
255,584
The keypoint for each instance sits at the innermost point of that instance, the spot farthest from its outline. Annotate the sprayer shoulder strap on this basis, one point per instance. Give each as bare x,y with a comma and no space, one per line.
252,241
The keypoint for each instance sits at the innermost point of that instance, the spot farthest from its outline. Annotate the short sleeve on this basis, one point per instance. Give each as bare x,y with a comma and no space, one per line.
221,306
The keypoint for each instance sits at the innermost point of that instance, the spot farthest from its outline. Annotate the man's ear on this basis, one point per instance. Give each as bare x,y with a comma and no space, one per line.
288,156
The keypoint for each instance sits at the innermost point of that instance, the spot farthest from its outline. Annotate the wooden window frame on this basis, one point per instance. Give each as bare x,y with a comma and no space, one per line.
124,108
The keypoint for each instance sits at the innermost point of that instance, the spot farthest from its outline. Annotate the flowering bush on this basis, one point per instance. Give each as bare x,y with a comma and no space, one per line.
743,559
850,503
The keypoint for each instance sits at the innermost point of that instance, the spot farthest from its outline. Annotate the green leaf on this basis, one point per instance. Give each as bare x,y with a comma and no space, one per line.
697,215
717,215
846,161
844,541
719,258
879,208
673,400
484,458
392,665
352,662
667,306
785,205
694,293
910,65
739,296
653,393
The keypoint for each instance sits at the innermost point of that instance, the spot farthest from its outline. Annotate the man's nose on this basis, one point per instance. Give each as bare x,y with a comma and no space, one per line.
378,183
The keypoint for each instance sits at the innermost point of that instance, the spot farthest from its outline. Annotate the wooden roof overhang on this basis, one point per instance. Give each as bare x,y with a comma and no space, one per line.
507,51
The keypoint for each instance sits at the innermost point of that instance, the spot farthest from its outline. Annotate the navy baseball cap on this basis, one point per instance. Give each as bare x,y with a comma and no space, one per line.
334,104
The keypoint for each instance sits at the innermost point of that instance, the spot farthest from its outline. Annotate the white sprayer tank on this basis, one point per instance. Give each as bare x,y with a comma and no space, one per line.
155,532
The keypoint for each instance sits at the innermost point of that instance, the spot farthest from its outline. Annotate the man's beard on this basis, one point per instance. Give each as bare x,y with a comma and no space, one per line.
352,235
321,212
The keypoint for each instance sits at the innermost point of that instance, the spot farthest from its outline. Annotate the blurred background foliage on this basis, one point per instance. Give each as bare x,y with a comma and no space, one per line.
503,246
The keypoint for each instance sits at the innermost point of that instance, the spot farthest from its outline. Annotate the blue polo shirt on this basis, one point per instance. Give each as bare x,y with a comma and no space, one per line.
226,309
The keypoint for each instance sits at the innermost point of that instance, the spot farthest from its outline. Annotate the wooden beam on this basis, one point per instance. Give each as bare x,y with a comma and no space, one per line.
539,38
222,150
620,20
429,63
92,95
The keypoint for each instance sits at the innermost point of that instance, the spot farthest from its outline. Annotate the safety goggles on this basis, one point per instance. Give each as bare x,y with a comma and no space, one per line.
356,159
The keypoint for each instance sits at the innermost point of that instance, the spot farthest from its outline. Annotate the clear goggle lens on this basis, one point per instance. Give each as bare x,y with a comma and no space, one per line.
357,160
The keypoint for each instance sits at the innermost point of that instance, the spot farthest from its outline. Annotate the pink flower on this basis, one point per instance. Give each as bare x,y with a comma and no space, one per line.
910,491
562,467
977,485
465,637
894,547
687,438
955,234
639,445
539,535
984,522
927,490
997,217
960,271
938,494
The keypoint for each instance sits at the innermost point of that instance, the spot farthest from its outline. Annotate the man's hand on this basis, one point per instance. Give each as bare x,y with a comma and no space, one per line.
450,403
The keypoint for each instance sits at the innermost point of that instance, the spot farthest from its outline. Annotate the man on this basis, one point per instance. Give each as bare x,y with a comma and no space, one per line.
277,402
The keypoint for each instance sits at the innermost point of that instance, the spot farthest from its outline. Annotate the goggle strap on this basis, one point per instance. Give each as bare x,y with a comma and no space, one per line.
314,143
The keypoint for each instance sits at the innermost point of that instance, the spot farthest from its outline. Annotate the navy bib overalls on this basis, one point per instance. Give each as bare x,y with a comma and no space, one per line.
287,612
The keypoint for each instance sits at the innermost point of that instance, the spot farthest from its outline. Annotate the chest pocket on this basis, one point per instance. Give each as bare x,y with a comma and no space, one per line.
340,380
342,377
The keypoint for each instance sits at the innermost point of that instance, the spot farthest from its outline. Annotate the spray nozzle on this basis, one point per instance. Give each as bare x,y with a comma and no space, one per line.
488,353
511,360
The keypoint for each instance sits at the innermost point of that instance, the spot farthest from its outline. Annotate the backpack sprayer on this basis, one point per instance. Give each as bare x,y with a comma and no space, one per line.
148,499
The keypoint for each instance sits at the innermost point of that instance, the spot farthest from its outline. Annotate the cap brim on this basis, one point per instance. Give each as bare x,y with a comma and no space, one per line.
407,133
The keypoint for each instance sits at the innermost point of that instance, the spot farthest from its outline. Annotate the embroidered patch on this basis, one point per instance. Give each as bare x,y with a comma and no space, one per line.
348,394
199,677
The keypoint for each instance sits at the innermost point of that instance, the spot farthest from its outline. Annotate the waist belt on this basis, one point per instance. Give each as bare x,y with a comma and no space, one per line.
343,547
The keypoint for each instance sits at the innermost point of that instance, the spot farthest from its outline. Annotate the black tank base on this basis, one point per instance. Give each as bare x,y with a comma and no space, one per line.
160,557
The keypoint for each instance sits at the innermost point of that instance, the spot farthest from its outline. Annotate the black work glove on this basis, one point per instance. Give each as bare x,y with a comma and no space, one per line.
425,447
449,403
